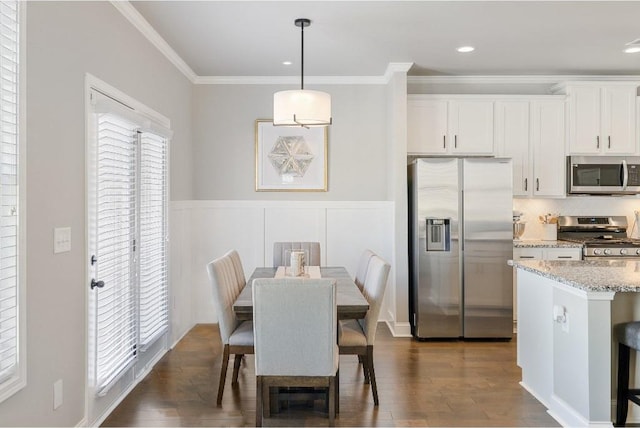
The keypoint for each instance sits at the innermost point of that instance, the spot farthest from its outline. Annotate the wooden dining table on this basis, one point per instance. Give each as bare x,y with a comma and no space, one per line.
350,301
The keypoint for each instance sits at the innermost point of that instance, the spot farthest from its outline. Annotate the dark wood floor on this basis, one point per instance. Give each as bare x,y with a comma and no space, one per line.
419,383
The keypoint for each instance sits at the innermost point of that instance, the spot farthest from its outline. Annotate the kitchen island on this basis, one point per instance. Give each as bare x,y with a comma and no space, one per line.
566,310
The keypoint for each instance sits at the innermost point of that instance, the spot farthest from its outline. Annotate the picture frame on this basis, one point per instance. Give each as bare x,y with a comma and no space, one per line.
290,159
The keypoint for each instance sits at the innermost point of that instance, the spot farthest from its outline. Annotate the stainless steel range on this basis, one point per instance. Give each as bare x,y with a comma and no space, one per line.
601,236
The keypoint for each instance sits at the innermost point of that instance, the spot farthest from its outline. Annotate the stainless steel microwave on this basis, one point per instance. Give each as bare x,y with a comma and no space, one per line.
603,175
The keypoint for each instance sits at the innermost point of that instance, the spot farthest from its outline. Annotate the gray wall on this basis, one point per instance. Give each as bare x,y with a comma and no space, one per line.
65,40
224,142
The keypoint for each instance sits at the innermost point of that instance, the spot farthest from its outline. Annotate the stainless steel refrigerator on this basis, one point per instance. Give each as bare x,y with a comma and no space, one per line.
461,239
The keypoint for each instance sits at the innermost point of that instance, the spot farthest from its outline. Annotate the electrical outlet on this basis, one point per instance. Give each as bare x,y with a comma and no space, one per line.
61,239
57,394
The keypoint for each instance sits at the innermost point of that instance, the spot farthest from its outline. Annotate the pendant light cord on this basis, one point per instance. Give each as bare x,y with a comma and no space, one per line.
302,56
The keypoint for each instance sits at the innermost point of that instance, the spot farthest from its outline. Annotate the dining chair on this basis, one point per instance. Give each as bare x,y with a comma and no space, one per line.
357,337
295,321
280,249
363,264
239,271
236,336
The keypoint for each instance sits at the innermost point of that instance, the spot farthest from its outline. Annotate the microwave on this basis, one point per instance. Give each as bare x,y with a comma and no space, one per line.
603,175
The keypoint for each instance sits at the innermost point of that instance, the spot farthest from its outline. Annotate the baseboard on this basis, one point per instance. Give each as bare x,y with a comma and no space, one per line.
399,329
567,416
83,422
182,336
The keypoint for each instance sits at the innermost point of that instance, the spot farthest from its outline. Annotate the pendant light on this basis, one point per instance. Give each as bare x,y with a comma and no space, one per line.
301,107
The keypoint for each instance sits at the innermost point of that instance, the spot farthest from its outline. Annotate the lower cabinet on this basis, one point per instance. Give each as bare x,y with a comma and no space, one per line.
544,253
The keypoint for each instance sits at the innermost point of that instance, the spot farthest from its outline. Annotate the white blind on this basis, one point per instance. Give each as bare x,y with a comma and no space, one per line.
153,283
8,189
115,233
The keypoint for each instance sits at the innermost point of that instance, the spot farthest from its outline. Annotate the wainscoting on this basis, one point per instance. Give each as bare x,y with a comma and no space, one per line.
203,230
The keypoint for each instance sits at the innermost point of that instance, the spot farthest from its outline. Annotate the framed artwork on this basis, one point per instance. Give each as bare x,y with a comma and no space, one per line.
290,159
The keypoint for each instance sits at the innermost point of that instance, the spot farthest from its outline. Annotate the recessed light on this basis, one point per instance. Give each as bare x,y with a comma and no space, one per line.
286,63
465,49
632,49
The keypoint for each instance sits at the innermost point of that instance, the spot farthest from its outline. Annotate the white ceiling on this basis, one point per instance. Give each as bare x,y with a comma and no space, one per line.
360,38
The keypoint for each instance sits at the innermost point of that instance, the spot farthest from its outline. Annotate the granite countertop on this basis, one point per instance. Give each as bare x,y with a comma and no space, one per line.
588,275
545,244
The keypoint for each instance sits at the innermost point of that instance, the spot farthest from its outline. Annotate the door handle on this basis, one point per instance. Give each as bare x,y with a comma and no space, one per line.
565,257
597,142
455,141
527,257
95,284
609,138
537,184
444,141
526,184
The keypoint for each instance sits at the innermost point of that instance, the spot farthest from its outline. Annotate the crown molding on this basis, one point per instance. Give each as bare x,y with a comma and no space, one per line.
289,80
510,79
396,67
138,21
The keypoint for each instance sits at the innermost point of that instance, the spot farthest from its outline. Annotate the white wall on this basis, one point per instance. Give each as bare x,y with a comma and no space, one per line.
224,143
65,40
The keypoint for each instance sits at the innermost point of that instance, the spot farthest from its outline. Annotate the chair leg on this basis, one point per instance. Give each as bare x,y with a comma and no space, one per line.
372,374
258,401
223,373
338,391
332,401
236,368
266,399
622,401
363,361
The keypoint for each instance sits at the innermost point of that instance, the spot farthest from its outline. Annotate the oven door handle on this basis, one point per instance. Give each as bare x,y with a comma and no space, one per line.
625,175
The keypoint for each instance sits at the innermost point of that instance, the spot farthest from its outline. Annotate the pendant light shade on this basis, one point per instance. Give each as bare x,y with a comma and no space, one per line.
301,107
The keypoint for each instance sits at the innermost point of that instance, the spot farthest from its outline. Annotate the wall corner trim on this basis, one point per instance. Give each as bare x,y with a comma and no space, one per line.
396,67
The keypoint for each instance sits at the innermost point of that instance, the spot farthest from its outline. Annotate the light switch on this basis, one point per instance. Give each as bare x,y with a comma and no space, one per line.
61,239
57,394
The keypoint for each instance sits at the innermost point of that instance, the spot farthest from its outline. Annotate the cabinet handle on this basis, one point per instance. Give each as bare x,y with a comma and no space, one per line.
537,184
565,257
609,138
526,184
444,141
527,257
455,141
597,142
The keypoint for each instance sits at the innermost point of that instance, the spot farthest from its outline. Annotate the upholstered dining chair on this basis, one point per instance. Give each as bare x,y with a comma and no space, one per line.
295,321
280,249
363,265
357,337
237,336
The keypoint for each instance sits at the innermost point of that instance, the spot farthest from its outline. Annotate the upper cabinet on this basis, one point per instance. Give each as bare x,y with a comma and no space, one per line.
531,132
440,126
602,118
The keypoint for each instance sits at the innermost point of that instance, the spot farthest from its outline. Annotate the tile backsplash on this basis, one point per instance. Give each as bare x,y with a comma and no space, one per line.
575,205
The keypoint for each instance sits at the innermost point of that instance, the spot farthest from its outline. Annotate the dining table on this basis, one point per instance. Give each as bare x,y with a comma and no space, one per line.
351,303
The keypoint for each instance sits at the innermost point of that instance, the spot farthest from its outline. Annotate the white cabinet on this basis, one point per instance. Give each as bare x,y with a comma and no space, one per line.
547,143
602,118
427,126
531,133
512,141
547,253
438,125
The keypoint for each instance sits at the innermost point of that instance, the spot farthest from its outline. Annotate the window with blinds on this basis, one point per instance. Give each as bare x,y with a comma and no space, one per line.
128,202
10,302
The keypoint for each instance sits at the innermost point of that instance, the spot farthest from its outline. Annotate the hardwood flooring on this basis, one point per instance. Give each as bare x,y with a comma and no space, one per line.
419,384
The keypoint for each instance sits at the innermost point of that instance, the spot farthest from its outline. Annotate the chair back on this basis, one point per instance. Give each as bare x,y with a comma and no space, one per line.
374,287
295,322
363,265
222,275
280,249
237,267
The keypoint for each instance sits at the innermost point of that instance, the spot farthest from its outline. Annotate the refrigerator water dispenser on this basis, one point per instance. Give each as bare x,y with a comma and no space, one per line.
438,234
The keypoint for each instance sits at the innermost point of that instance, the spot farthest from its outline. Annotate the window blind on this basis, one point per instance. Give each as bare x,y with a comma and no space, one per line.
153,282
9,309
115,232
